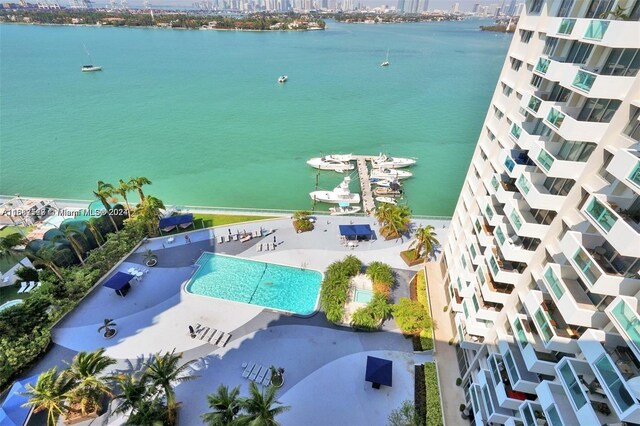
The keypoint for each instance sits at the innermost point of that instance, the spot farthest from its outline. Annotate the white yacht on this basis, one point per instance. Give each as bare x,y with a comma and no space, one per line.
343,209
331,162
91,68
390,174
283,78
384,182
386,200
392,162
339,194
387,192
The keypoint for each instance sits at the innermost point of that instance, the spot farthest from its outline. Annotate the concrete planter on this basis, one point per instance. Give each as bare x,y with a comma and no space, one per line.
409,262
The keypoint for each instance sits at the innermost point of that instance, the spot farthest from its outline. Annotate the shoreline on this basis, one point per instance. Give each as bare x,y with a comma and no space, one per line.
158,27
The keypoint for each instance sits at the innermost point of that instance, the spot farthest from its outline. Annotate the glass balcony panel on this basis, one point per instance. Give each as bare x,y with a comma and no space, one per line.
495,183
472,249
494,265
635,175
524,184
629,321
545,159
516,131
521,336
571,382
511,367
543,65
528,417
553,417
596,30
534,104
543,324
500,235
553,282
566,26
515,219
509,163
614,382
555,117
489,212
586,266
584,81
601,214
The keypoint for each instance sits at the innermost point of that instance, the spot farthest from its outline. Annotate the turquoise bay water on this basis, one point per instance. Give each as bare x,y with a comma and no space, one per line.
258,283
200,112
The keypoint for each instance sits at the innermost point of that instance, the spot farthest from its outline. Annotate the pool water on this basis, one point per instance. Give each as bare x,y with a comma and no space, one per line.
10,303
258,283
362,296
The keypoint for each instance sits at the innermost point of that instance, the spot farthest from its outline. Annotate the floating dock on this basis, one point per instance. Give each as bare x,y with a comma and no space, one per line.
368,204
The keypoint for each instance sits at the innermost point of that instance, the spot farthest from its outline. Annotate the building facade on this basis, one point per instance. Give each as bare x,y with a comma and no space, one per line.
542,264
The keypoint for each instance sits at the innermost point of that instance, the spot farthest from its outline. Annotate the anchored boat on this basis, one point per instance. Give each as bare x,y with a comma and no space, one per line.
340,193
343,209
336,163
383,161
390,174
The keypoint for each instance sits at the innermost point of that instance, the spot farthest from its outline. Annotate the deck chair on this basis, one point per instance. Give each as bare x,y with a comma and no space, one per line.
168,228
216,338
255,373
23,286
262,375
32,285
227,238
220,239
224,340
267,378
259,247
247,371
266,247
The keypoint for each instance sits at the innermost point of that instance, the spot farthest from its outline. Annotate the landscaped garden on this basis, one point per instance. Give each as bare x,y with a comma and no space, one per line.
208,220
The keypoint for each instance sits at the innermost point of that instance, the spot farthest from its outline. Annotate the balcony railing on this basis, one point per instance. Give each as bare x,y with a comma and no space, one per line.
543,325
516,131
614,383
629,321
524,185
566,26
543,65
584,80
516,221
596,30
635,175
587,266
546,160
555,117
534,103
499,235
602,214
573,386
553,282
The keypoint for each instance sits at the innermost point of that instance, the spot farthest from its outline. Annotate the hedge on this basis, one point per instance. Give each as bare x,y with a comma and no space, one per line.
335,286
411,316
433,407
426,335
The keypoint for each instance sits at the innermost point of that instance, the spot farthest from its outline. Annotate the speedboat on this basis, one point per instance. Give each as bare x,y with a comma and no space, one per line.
390,174
387,192
392,162
91,68
343,209
384,182
386,200
283,78
340,157
339,194
331,162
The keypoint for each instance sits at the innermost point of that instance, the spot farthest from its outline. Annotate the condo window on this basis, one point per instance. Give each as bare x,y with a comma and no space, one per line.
497,113
575,151
633,128
579,53
565,8
558,186
515,64
525,35
622,62
536,81
599,9
599,110
506,90
550,45
536,6
634,15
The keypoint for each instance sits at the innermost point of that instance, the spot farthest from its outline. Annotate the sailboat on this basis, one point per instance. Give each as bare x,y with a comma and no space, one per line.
89,67
386,61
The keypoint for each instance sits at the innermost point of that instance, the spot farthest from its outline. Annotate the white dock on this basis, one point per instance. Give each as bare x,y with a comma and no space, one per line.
368,204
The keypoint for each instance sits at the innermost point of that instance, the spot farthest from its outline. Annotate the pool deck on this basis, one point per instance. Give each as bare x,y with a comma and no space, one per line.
319,358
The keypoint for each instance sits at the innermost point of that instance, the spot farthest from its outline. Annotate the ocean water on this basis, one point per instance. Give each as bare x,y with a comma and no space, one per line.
200,112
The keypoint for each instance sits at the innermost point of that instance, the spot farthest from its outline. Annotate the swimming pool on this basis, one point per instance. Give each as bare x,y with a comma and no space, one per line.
258,283
10,303
362,296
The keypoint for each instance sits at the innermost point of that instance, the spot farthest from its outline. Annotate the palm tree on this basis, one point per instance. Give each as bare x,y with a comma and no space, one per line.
46,256
89,387
133,392
261,407
137,184
8,246
104,191
148,412
394,219
149,213
108,326
225,405
162,371
94,228
50,393
426,241
122,190
74,235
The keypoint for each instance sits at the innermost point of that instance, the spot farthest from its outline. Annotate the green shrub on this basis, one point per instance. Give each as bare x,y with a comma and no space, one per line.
370,316
352,265
18,353
24,273
333,293
421,289
434,410
381,273
406,415
411,316
426,339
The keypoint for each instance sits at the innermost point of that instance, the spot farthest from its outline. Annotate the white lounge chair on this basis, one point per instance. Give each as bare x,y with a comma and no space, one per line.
255,373
220,239
23,286
224,340
227,238
32,285
267,378
266,247
235,237
259,247
262,375
214,339
247,370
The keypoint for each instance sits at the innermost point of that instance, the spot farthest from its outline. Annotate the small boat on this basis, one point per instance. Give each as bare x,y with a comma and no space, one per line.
343,209
283,79
340,157
386,200
387,192
392,162
330,162
340,193
390,174
91,68
384,182
385,63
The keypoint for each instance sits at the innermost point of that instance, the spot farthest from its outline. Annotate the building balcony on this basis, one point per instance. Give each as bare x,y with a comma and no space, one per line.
537,196
625,317
504,188
531,414
489,399
502,270
612,367
513,248
625,166
560,118
608,33
490,290
474,253
555,333
520,378
523,222
492,213
521,136
555,403
483,231
531,346
593,85
542,154
621,230
601,271
569,296
581,387
515,162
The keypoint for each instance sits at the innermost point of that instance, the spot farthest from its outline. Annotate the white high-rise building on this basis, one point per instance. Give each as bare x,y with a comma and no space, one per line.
455,8
542,263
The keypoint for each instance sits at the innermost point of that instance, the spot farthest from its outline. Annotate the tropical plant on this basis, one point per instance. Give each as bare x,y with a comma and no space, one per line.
302,221
137,184
108,326
8,246
225,405
104,191
162,371
46,256
50,393
122,190
261,407
411,316
333,292
380,273
619,13
426,241
277,376
393,219
133,392
93,224
74,236
27,274
148,212
150,258
89,387
406,415
369,317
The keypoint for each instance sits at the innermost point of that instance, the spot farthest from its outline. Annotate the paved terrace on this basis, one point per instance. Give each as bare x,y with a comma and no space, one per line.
324,364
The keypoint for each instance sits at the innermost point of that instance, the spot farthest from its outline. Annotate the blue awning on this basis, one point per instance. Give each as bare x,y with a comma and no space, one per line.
379,371
176,220
12,412
118,281
355,230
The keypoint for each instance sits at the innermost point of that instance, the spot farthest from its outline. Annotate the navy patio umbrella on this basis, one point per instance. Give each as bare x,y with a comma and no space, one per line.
379,372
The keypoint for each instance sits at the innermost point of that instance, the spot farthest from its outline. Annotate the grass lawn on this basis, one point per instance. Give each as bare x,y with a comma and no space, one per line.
10,293
203,220
14,229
